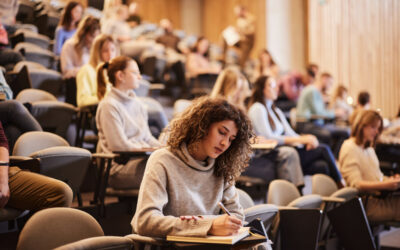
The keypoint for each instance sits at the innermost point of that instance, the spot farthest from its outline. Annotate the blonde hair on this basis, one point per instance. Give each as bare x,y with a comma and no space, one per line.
227,84
193,125
95,50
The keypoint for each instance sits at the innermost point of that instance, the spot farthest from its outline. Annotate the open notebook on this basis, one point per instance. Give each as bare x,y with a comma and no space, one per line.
227,240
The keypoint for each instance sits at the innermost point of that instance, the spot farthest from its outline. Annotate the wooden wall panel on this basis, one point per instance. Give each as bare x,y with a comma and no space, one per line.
155,10
219,14
358,43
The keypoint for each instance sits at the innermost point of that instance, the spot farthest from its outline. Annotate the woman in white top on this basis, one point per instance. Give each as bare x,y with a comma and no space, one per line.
75,51
270,122
339,102
121,119
282,162
360,168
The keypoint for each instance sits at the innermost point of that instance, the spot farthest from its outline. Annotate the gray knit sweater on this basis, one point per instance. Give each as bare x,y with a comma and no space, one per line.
175,184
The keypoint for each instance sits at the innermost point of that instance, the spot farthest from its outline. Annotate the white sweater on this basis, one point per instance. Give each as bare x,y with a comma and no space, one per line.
358,163
175,184
122,123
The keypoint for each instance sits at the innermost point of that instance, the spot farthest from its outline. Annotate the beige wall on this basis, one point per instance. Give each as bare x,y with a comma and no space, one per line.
358,42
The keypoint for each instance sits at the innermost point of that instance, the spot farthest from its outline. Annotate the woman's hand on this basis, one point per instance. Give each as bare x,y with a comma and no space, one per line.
225,225
392,183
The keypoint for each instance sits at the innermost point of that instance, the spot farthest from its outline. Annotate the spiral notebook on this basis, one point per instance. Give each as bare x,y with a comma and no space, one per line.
226,240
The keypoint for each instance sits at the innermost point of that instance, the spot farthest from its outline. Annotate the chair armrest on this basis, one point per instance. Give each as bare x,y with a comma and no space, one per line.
122,157
26,163
333,199
147,240
156,86
103,156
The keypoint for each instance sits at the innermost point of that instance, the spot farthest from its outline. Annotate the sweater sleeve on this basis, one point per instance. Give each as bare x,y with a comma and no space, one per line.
318,106
58,41
68,68
258,116
231,202
111,124
149,219
350,166
85,94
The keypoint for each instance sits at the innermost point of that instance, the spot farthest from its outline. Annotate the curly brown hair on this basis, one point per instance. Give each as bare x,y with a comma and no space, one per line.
193,125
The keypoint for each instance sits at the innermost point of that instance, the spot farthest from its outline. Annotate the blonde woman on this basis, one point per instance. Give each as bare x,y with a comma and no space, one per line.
103,50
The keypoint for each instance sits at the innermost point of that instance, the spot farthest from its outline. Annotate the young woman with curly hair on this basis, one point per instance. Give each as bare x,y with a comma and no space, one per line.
208,148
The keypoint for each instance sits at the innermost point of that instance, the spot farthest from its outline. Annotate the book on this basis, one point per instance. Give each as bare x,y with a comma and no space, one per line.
270,145
211,239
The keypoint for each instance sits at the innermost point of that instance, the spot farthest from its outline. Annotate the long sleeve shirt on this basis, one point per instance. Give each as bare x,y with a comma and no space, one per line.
258,114
71,59
311,103
175,184
61,36
86,86
358,163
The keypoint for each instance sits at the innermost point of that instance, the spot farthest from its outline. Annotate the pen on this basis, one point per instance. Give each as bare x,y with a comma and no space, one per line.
224,208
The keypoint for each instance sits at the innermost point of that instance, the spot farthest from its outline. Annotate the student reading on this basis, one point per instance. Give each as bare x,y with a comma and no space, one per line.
208,148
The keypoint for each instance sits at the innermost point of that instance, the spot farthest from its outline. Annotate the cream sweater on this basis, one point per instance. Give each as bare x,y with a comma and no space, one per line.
175,184
358,163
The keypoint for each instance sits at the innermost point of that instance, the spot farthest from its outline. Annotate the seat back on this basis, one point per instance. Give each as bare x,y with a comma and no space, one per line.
244,199
265,212
34,95
323,185
31,142
29,64
54,227
282,192
100,243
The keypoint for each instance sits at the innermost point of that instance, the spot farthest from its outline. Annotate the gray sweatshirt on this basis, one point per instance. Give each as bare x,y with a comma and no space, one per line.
175,184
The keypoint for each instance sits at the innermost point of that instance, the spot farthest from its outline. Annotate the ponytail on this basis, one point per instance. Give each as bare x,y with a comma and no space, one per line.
101,81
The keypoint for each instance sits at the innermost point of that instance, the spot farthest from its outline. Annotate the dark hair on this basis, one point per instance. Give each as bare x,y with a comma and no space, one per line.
310,69
88,25
363,98
365,118
194,48
112,67
66,18
193,125
258,96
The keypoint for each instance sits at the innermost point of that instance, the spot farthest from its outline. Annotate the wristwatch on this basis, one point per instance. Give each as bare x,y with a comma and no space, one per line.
4,163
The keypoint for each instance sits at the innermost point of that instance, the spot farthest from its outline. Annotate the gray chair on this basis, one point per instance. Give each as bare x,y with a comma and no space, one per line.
53,116
284,193
34,38
100,243
57,159
327,188
34,53
54,227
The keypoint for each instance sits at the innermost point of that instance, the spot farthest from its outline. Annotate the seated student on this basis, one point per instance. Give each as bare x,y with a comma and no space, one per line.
70,18
197,62
5,88
25,190
103,50
311,103
16,120
117,25
208,148
363,103
270,122
339,102
121,119
8,57
360,167
233,86
75,51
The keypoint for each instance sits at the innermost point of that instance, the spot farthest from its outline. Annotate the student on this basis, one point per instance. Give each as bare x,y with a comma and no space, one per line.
363,103
360,168
233,86
339,102
270,122
267,65
103,50
208,148
197,62
75,51
70,18
25,190
121,120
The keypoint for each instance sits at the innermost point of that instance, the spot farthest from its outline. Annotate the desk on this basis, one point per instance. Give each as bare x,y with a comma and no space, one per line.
245,243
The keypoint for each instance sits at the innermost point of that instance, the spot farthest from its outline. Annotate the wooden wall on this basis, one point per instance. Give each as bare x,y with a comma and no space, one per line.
155,10
358,42
219,14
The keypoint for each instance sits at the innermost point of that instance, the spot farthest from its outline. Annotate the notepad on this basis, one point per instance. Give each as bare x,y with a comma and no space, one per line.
270,145
227,240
